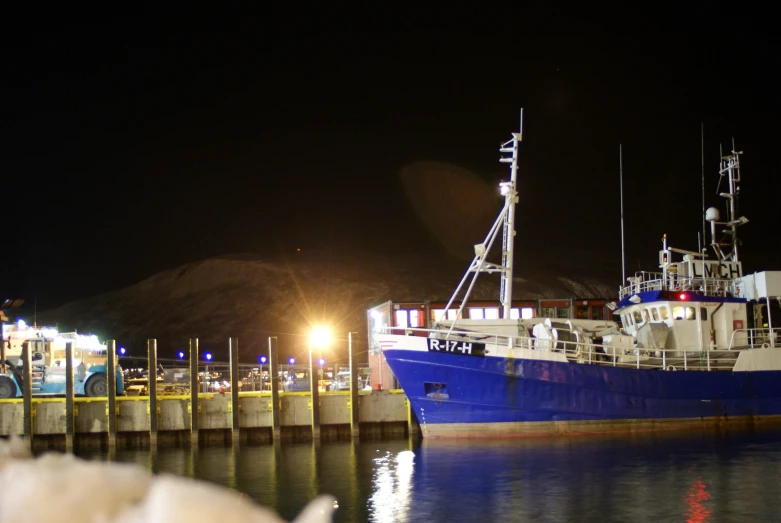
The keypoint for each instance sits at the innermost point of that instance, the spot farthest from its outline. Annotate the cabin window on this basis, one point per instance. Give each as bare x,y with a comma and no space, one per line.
581,313
664,312
596,312
401,318
678,313
703,314
414,318
527,313
691,313
439,314
655,314
492,313
476,314
549,312
514,314
562,312
638,317
645,315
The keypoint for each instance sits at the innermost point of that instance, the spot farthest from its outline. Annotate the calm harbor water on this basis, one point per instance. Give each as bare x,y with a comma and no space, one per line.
725,476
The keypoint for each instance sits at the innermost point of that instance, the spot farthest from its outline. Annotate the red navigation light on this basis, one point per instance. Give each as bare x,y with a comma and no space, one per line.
683,296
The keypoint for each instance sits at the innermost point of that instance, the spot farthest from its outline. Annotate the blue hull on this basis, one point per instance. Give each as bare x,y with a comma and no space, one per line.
472,394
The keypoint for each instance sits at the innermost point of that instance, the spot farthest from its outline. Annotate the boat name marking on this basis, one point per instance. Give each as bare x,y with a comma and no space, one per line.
456,347
722,270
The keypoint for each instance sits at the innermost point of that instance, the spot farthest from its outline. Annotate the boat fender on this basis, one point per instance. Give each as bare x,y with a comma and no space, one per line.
765,345
671,367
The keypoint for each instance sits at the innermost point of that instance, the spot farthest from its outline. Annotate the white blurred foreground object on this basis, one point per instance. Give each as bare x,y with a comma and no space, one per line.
77,490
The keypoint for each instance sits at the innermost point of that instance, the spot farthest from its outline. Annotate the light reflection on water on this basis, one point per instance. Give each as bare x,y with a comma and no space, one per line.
694,478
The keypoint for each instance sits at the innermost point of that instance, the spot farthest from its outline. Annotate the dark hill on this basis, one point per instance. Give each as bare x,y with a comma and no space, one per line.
252,298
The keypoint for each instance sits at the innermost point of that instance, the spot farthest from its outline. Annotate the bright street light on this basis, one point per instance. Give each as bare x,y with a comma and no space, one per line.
320,337
208,356
262,360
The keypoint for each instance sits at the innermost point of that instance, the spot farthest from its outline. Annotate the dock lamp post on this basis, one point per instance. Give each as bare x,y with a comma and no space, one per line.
262,360
319,338
206,378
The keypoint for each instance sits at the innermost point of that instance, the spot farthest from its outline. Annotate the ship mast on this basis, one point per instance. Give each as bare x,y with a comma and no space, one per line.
730,167
505,220
510,199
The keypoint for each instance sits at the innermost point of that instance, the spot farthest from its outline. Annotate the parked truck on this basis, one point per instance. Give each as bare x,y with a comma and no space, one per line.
47,352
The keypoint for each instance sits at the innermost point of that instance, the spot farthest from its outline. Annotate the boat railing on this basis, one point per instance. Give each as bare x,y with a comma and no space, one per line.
642,282
755,338
586,351
650,281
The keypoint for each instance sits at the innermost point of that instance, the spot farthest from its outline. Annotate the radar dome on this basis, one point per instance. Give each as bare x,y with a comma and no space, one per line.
712,214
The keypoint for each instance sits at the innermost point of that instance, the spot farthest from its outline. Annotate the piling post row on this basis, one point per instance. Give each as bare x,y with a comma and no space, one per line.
354,420
233,346
27,393
273,357
151,349
194,392
69,414
111,381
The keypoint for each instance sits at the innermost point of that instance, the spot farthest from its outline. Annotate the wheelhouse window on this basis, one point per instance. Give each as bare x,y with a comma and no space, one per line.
664,312
655,314
703,314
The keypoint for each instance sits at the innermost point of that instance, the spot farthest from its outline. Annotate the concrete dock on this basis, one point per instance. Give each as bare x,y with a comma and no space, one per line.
196,417
380,413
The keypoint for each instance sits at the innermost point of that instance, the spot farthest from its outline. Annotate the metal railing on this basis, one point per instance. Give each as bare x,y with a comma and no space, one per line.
653,281
588,352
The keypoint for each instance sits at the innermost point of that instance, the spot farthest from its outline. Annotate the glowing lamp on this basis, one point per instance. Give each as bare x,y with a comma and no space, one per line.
262,360
208,356
320,337
683,297
292,361
181,355
321,362
122,350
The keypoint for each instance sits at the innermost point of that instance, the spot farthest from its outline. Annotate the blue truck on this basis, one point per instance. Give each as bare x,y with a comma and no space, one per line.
47,352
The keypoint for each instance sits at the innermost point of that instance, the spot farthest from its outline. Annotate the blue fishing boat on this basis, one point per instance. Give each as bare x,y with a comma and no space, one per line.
692,345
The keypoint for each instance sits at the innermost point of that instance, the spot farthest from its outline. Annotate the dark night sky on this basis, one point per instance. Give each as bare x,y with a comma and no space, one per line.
134,144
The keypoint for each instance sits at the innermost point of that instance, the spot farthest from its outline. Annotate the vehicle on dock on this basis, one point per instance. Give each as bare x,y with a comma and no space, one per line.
48,363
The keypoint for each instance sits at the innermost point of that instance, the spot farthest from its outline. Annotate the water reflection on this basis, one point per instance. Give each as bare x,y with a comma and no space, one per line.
697,478
392,487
